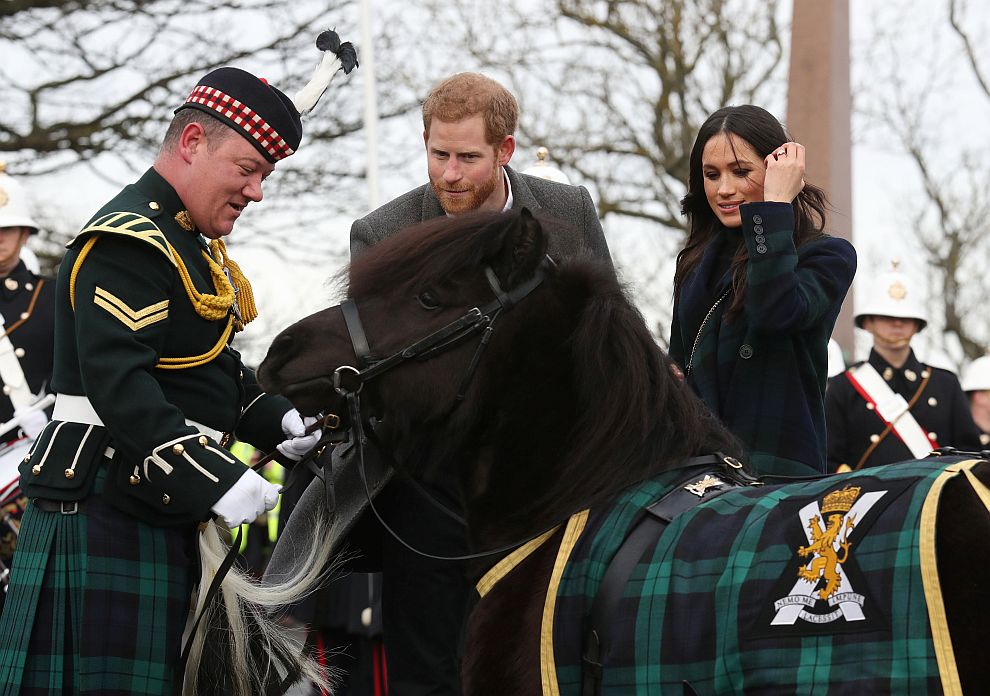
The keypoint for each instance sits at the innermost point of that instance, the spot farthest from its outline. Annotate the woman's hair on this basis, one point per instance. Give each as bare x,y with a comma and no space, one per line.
763,132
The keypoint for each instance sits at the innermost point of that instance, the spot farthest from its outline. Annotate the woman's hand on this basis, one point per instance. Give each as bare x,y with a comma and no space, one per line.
785,173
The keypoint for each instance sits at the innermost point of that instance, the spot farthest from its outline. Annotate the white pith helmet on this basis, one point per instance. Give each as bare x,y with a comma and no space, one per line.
836,363
892,294
543,170
14,203
976,376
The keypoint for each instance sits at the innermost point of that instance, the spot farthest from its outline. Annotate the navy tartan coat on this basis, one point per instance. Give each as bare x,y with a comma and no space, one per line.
763,373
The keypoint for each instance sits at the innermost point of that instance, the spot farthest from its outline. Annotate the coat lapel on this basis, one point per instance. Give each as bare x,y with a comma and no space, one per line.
521,193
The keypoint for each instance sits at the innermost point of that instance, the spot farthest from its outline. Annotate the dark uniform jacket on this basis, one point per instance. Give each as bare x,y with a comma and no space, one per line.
941,410
763,373
27,303
128,337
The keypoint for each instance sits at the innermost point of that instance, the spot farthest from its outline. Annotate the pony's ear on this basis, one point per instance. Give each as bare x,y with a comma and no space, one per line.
523,246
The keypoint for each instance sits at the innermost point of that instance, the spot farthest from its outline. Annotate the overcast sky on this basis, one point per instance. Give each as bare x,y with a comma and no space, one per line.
884,184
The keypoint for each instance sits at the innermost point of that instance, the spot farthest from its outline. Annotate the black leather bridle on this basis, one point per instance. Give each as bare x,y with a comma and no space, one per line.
348,380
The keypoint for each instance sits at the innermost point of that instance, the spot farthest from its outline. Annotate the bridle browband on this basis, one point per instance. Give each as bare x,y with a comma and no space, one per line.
348,381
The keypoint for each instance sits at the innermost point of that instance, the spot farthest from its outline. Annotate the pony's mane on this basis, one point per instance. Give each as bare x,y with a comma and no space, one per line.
636,418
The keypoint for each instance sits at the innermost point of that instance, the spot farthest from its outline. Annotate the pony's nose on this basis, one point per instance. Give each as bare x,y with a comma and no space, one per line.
279,352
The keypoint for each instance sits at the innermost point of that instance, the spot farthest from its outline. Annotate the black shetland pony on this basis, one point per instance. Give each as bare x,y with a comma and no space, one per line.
569,404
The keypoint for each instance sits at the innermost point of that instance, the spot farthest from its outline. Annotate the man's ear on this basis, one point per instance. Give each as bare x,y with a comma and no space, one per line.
520,244
191,140
503,153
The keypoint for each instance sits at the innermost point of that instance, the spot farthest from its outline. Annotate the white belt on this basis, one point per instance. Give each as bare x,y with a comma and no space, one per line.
78,409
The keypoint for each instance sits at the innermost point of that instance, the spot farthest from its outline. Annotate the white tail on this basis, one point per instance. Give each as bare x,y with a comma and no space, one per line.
240,647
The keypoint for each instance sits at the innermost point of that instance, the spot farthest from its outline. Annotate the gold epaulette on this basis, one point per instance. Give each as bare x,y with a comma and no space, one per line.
131,225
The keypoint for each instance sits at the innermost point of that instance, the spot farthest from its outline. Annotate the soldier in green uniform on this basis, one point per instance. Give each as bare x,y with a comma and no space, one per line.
149,391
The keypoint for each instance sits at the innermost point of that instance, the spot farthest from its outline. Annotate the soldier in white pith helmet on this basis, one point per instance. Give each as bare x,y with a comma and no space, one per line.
27,309
27,322
891,407
976,384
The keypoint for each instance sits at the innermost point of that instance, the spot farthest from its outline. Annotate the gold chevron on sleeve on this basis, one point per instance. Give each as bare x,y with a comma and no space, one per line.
134,319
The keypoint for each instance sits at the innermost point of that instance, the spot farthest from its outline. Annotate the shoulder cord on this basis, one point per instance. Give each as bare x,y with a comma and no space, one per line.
210,307
890,426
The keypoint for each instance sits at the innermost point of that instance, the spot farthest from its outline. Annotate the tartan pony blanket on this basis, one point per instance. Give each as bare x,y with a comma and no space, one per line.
825,586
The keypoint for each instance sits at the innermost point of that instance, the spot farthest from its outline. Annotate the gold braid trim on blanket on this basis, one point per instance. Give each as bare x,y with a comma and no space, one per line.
944,655
548,665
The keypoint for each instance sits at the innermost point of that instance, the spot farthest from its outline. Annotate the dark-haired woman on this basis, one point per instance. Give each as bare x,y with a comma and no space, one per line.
757,289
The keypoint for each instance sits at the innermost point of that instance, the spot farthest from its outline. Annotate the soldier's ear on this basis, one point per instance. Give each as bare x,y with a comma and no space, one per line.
191,140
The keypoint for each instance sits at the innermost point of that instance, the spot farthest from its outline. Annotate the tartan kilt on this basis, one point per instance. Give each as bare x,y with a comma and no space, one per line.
702,606
97,604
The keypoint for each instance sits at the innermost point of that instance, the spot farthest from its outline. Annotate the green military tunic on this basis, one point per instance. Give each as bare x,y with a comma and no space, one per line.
142,332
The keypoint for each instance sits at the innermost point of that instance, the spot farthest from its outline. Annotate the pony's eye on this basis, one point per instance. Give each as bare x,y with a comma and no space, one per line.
427,300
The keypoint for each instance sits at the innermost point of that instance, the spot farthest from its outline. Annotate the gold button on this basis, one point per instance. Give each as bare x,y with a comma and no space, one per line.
6,389
984,439
27,459
203,440
925,374
911,375
134,480
870,406
932,401
24,315
19,352
874,438
70,474
933,436
888,374
36,469
178,449
10,284
154,205
166,499
29,286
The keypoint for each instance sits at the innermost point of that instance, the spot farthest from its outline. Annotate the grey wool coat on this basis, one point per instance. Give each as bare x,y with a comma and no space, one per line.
569,204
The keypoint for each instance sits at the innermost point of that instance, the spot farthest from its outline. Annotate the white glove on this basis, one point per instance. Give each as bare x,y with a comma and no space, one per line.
32,422
250,496
298,442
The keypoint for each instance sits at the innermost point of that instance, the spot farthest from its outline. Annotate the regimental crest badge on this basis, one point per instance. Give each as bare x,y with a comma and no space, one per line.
897,291
3,198
823,591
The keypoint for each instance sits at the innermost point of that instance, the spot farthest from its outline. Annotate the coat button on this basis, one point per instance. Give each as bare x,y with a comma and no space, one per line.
10,284
29,286
761,248
760,239
19,352
154,205
134,479
166,499
178,449
870,406
758,229
745,351
874,438
757,220
70,474
933,401
6,390
933,436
